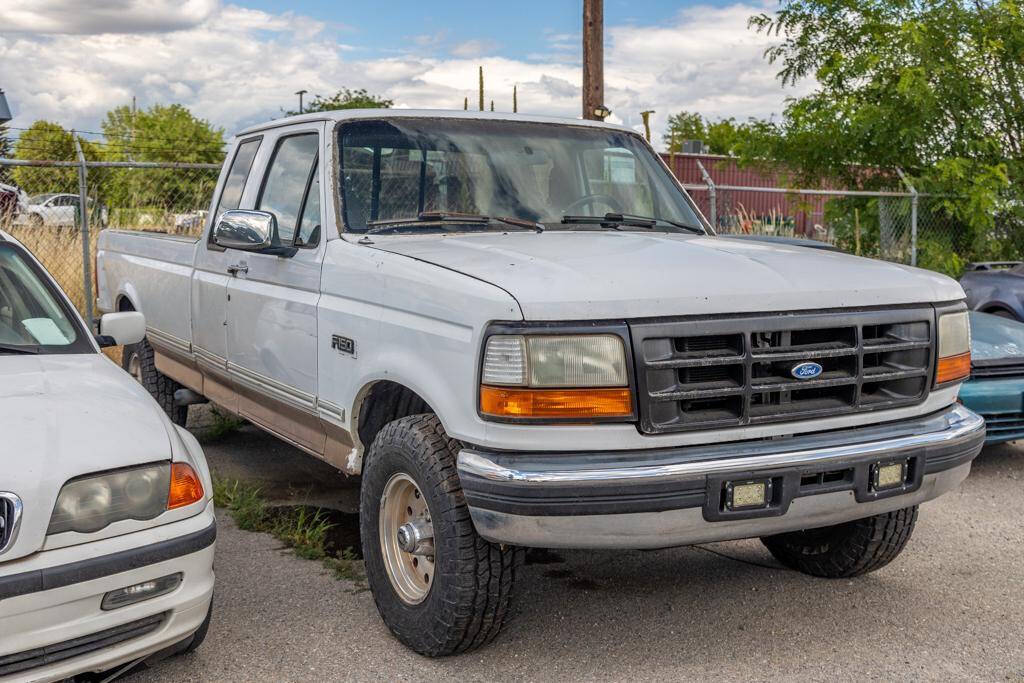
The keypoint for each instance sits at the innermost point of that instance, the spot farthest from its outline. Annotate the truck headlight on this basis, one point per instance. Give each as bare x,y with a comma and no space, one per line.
555,377
93,502
954,362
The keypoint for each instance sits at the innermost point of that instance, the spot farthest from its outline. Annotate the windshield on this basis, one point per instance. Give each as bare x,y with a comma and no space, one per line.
40,198
33,319
402,168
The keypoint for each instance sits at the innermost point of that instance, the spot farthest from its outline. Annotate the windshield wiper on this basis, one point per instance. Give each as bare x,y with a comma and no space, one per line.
617,220
28,349
446,218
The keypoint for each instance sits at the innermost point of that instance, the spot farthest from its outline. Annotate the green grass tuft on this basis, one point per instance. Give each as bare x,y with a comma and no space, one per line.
301,528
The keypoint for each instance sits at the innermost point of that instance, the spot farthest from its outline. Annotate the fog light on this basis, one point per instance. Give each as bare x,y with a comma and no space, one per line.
129,595
747,494
888,476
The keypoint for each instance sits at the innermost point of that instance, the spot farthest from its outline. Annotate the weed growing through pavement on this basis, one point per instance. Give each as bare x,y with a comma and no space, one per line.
304,529
221,426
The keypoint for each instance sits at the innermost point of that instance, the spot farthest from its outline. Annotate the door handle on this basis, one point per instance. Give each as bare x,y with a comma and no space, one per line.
238,268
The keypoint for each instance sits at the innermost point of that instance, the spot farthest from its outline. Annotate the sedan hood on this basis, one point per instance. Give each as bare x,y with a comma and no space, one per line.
63,416
559,275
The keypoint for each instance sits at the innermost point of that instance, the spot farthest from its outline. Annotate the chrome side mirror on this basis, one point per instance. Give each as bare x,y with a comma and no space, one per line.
245,230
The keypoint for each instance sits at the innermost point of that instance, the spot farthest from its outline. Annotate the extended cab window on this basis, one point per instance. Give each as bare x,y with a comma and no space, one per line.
286,184
231,195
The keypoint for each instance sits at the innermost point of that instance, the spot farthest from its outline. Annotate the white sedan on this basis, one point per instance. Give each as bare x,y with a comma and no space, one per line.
106,515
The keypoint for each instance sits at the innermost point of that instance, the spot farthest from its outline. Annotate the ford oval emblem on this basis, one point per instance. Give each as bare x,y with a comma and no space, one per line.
806,370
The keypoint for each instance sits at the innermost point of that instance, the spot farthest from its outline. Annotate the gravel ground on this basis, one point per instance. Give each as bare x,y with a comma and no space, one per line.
951,607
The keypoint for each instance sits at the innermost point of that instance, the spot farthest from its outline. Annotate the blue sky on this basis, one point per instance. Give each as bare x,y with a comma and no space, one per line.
239,62
516,29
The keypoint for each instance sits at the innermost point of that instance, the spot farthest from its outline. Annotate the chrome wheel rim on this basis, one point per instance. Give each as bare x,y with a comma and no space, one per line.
135,367
411,575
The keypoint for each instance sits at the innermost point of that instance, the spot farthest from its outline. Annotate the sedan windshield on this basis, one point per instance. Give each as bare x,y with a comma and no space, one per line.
33,319
410,173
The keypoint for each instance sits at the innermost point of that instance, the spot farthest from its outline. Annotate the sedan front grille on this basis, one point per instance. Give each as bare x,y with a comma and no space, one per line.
10,518
703,373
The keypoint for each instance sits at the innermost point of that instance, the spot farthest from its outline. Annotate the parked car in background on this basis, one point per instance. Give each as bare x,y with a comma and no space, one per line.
11,200
996,387
520,332
55,209
106,514
995,287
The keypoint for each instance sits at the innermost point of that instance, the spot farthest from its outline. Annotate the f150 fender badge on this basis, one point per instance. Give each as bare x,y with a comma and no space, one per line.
343,344
806,370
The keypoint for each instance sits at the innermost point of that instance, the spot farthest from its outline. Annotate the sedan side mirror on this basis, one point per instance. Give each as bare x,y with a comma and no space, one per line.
119,329
254,231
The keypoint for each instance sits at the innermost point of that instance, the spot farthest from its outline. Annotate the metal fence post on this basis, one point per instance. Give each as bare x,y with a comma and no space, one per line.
913,216
712,198
83,210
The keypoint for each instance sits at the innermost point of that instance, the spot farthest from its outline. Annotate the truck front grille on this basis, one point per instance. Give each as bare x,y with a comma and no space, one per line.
704,373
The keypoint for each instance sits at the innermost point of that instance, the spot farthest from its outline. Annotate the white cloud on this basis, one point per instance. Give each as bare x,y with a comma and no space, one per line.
474,48
237,66
103,16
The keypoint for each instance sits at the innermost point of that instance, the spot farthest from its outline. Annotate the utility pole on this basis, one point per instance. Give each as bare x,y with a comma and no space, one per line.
515,100
593,61
481,88
646,116
300,93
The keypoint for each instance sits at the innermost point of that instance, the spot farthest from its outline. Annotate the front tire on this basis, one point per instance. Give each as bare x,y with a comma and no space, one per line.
456,599
845,550
138,360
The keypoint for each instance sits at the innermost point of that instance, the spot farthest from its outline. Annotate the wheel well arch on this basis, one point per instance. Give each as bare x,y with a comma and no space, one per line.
124,304
381,402
995,306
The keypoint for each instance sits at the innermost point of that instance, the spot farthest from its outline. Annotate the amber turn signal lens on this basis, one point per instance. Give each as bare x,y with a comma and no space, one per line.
555,403
185,486
953,368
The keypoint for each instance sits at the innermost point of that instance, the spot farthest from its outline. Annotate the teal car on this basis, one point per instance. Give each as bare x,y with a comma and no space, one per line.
996,387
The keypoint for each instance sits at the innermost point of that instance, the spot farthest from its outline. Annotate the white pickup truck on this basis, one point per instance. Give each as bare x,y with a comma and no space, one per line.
521,332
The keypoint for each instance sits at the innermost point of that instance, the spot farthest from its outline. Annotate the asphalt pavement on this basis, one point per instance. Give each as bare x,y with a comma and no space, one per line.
950,608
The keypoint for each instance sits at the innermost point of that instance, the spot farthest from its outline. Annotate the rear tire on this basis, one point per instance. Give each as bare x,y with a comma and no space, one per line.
845,550
463,604
138,360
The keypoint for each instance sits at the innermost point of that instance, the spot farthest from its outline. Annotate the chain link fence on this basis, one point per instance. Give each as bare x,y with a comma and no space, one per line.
41,206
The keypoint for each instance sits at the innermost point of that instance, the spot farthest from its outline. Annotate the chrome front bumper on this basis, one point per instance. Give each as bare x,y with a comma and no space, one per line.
668,497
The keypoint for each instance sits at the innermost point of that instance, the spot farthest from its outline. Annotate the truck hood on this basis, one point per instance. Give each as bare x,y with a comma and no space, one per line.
559,275
62,416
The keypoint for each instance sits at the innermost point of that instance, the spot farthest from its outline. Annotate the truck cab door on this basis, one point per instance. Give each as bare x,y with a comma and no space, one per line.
210,283
272,300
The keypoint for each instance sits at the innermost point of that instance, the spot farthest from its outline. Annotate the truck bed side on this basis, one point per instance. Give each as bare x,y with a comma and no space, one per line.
151,272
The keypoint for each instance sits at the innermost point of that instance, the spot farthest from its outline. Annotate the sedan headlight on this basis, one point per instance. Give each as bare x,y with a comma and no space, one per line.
954,362
93,502
555,377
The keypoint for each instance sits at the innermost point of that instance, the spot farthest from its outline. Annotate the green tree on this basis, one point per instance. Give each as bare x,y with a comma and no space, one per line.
933,87
163,133
345,99
6,152
721,136
46,141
